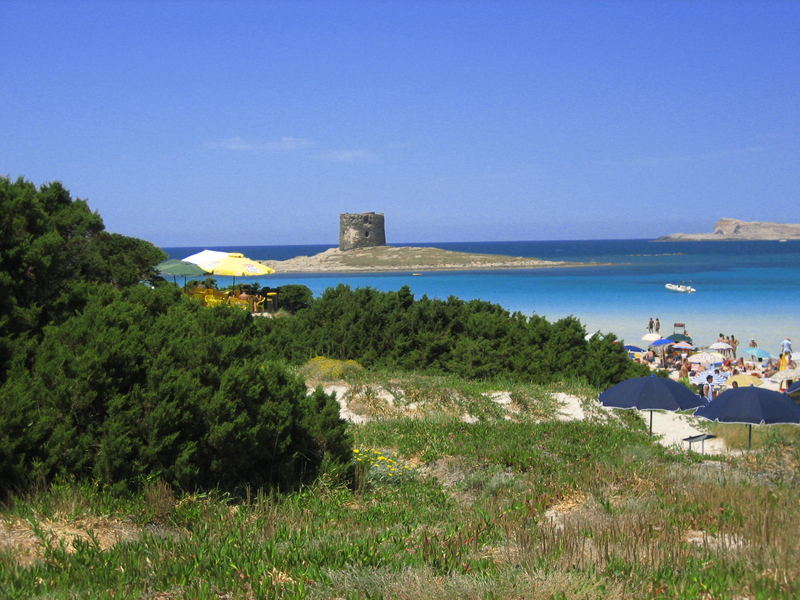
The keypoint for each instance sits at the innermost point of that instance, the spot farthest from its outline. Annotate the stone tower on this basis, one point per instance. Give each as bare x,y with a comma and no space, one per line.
361,230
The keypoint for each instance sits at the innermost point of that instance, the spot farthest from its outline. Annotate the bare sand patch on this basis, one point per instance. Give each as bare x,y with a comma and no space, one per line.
18,537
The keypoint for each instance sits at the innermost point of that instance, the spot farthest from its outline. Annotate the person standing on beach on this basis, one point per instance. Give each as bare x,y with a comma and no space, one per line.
650,325
786,345
708,389
658,326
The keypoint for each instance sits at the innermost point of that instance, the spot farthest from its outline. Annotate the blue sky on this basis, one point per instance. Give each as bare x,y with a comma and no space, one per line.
205,123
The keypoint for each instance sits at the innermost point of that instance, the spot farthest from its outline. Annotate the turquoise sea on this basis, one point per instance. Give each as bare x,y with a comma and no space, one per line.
749,289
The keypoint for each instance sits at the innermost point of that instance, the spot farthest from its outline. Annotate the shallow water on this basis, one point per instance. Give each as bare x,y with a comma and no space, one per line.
750,289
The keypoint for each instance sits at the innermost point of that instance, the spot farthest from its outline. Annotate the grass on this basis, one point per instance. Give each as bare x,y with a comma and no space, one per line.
520,508
736,434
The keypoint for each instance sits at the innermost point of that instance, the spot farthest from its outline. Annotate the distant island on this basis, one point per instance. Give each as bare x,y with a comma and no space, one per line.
407,258
734,229
362,248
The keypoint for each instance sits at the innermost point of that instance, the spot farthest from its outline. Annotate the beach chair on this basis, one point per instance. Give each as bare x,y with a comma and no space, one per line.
213,300
239,303
272,301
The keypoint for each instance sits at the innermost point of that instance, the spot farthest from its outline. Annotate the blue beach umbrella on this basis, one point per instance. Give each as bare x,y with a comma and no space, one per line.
662,342
751,405
757,352
633,349
650,393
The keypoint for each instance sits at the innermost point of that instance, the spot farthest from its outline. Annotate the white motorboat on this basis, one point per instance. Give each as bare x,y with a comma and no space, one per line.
680,287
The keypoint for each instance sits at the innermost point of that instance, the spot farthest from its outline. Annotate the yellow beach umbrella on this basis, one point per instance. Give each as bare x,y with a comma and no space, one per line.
744,380
238,265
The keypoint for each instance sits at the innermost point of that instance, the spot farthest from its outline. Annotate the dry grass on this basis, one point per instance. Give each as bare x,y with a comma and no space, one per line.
25,540
423,584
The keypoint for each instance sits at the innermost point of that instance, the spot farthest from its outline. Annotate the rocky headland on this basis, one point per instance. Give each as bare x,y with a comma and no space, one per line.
407,258
734,229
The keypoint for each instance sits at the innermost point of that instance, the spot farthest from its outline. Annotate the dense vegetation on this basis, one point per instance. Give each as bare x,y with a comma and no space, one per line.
50,246
109,380
112,381
472,339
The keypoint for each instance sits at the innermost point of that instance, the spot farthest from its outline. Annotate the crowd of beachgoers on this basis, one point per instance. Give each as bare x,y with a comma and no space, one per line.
719,365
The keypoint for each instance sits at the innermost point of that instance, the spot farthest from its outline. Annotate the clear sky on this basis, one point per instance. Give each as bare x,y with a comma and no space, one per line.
225,123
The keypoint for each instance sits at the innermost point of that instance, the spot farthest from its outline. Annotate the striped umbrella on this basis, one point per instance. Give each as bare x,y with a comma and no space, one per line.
683,346
718,378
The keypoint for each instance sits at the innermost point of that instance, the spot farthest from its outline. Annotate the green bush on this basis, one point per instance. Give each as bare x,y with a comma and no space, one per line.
145,384
294,297
475,339
50,247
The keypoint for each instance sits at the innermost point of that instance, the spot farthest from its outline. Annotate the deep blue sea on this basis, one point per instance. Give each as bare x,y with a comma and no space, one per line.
750,289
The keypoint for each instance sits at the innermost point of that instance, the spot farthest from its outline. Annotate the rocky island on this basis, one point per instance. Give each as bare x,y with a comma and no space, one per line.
734,229
362,248
407,258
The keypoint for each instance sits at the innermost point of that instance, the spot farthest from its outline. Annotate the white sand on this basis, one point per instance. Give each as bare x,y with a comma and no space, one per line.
669,428
571,408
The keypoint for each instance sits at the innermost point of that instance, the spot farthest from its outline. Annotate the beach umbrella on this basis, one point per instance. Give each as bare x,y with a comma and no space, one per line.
206,259
650,337
717,378
706,358
683,346
752,406
181,268
238,265
744,380
679,337
757,353
650,393
786,374
720,346
633,349
661,342
229,264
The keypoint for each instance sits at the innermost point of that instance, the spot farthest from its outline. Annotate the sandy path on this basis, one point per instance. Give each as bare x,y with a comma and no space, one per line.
671,428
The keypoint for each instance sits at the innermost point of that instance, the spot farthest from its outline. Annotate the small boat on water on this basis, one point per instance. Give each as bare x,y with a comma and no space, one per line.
680,287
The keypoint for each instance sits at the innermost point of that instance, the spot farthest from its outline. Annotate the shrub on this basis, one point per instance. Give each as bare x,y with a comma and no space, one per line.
321,367
475,339
146,384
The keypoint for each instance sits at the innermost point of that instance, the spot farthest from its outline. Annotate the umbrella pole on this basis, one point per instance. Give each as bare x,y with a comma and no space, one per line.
651,423
749,436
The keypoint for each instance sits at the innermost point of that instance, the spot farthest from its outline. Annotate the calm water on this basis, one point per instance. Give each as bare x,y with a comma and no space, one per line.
750,289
